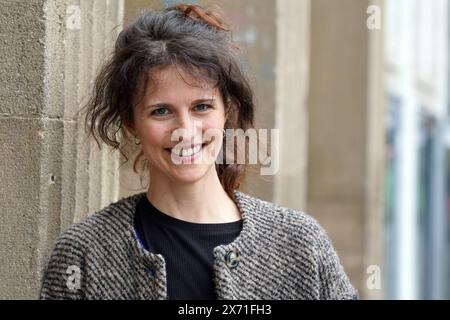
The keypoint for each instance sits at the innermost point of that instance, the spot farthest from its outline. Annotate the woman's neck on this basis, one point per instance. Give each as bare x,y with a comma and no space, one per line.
204,201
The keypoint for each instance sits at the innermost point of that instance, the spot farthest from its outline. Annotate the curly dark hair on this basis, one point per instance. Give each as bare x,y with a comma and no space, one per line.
187,36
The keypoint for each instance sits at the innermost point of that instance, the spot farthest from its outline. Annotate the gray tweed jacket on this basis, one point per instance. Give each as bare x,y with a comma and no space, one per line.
280,253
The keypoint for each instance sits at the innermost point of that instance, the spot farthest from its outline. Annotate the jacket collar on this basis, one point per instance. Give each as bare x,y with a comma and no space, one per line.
153,265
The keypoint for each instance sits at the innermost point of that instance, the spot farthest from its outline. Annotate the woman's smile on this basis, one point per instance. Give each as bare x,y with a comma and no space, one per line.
186,154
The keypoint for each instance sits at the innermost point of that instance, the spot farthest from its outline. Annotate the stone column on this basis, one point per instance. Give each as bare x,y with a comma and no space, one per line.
292,84
375,162
51,176
338,134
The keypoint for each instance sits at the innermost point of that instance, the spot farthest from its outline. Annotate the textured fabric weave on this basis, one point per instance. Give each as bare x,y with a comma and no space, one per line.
281,253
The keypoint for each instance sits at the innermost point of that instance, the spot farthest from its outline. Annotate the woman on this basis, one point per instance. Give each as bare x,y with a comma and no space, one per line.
173,79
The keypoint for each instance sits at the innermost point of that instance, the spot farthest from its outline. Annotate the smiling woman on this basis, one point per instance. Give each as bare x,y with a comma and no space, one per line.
176,107
174,85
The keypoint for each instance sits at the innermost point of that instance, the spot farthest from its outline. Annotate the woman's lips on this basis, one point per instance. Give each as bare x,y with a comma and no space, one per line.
169,150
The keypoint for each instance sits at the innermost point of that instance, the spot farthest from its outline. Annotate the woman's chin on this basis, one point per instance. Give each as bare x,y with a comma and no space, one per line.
190,174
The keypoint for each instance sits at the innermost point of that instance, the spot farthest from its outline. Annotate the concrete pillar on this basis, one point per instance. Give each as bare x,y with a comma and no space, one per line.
337,127
375,163
292,80
51,176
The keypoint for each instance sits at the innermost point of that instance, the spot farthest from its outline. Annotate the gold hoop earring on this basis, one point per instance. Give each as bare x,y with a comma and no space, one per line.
137,141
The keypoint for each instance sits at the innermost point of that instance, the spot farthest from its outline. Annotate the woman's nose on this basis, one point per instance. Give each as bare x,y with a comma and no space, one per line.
189,129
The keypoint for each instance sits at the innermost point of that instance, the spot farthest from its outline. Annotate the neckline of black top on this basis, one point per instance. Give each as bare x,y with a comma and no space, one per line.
169,221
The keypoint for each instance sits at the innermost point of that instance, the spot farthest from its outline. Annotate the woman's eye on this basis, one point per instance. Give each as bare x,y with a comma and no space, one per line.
160,111
202,107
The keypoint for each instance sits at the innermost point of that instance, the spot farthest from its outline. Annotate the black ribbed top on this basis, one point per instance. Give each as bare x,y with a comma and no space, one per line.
186,247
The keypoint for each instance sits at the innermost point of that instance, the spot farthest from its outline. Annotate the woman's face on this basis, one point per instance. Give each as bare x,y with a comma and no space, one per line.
180,122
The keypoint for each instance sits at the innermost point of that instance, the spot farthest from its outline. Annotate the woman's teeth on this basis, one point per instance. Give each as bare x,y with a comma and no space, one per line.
188,152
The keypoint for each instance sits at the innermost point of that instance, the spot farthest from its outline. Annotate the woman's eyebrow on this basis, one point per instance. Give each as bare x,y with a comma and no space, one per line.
165,104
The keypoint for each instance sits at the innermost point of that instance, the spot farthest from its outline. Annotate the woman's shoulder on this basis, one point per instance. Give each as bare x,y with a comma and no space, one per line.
85,244
282,218
298,234
112,220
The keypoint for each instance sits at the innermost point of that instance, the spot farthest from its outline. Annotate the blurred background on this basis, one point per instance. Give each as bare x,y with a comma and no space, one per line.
357,88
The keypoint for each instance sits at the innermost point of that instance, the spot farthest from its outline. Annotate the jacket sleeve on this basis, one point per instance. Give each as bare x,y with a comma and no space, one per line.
334,283
63,275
